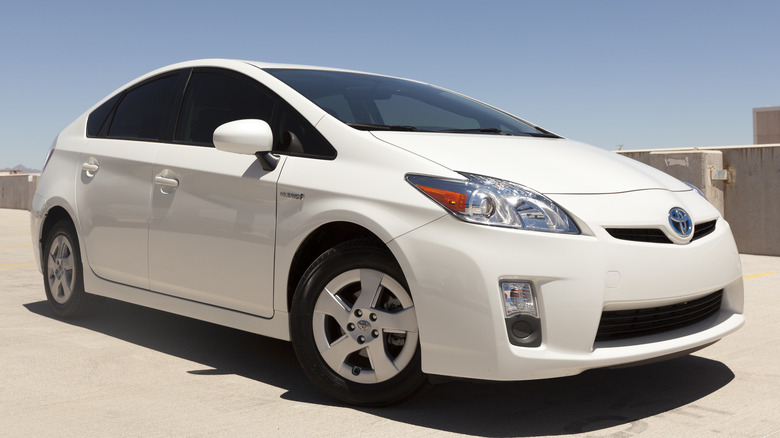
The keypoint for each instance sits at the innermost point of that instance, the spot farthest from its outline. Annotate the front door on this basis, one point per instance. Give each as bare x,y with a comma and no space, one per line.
213,215
212,232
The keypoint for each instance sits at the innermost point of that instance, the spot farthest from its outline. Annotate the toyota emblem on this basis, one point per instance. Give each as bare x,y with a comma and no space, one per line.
680,221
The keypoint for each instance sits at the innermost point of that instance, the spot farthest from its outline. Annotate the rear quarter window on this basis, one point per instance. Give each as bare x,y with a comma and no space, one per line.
97,122
145,111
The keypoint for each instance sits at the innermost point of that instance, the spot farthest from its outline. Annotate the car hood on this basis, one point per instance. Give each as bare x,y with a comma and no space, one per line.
547,165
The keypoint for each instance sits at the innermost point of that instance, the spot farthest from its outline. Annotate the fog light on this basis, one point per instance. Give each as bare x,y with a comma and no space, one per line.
522,329
518,298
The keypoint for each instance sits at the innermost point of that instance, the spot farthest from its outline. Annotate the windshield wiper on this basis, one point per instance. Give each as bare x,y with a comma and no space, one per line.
380,127
478,131
500,132
377,127
543,134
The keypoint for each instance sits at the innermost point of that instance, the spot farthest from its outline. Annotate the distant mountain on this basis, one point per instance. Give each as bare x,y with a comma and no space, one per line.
22,169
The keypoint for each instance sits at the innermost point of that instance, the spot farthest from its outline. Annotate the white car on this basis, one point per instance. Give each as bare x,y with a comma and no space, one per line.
389,228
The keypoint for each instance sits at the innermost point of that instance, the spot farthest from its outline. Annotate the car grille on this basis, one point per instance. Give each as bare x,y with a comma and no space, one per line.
655,235
703,229
623,324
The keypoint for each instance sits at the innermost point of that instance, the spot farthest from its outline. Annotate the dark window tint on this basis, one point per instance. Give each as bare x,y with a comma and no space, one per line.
213,99
96,124
145,111
296,136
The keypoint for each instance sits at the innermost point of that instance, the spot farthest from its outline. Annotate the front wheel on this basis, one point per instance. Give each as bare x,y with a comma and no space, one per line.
354,327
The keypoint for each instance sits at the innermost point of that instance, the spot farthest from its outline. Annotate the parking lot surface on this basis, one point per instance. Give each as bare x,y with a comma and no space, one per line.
133,371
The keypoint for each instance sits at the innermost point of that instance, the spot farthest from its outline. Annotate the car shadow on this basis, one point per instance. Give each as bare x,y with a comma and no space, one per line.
592,401
220,350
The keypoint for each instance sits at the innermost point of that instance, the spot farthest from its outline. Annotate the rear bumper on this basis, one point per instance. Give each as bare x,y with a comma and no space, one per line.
36,222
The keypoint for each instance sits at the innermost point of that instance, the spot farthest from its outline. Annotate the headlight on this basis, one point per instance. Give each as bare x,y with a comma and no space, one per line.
490,201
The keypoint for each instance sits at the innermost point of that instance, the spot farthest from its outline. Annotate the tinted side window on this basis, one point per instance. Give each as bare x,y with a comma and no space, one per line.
296,136
97,119
213,99
145,111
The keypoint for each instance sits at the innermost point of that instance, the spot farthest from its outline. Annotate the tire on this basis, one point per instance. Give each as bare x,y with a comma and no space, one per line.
360,348
62,272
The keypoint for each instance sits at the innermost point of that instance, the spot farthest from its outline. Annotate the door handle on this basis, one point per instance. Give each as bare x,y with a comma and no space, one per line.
90,167
166,182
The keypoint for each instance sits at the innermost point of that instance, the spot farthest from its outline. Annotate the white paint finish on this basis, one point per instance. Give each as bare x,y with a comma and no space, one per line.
612,279
543,164
211,239
244,137
113,208
457,296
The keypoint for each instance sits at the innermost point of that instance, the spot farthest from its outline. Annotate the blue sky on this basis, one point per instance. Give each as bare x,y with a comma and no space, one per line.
653,74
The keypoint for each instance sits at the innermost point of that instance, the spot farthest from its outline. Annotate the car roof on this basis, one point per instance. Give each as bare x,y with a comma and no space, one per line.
224,62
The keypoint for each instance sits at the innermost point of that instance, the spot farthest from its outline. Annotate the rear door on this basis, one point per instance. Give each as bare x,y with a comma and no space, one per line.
113,191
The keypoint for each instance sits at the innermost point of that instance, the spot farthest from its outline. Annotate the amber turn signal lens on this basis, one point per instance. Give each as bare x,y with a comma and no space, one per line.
453,200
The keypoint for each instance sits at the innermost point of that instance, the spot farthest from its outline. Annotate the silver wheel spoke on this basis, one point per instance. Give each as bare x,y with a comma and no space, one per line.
370,282
53,257
56,288
337,354
384,368
67,281
62,254
330,305
63,285
400,322
67,263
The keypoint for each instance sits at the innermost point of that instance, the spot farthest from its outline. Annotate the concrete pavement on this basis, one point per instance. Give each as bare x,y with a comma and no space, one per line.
132,371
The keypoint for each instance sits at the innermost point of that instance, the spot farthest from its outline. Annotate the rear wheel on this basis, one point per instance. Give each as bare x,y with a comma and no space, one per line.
62,270
354,327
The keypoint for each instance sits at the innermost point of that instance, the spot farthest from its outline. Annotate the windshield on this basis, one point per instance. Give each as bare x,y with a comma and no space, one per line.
372,102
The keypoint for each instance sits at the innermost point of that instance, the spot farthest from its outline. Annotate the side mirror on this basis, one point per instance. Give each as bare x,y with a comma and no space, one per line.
248,137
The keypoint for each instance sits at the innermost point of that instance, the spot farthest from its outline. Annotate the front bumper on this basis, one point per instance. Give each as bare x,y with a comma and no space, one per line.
454,269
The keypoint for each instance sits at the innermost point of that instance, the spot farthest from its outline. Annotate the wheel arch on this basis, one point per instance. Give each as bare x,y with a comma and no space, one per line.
55,215
324,237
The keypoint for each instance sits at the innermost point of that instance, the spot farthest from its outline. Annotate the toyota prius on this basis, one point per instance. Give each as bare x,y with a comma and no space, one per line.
390,229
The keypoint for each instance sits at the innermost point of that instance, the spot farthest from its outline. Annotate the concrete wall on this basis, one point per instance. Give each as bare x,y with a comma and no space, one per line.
692,166
16,191
766,125
753,199
742,181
